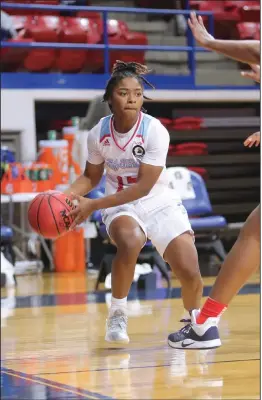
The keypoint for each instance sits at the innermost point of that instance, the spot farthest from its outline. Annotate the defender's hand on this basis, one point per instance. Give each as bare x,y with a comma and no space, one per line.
252,139
198,29
253,74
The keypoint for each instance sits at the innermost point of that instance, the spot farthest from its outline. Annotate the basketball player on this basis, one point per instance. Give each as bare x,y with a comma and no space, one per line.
244,258
132,146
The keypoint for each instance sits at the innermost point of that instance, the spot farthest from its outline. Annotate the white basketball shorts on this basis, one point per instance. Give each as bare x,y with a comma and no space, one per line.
162,218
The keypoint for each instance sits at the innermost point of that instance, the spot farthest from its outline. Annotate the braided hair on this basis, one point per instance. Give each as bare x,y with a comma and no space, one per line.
123,70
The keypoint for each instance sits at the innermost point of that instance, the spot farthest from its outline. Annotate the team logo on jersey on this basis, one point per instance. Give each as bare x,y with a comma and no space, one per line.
106,143
138,151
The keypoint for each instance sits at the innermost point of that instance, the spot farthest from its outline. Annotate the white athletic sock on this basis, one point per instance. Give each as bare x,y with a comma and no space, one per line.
118,304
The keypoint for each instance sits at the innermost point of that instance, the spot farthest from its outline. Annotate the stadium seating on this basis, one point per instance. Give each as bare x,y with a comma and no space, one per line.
250,13
12,59
33,12
185,123
248,30
233,20
41,29
73,30
87,27
118,33
228,13
194,4
237,4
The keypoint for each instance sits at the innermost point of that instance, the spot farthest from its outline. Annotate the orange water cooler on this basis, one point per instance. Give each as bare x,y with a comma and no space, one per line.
69,252
70,134
55,154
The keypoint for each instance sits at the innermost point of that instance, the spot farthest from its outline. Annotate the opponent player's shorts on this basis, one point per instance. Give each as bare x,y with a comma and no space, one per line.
162,218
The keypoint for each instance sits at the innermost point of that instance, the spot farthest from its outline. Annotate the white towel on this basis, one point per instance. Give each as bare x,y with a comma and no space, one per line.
8,269
180,180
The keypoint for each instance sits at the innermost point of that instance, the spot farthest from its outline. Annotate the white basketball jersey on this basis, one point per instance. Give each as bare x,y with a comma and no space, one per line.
147,142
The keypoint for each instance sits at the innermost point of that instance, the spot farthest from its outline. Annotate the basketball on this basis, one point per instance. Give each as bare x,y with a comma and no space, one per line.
47,214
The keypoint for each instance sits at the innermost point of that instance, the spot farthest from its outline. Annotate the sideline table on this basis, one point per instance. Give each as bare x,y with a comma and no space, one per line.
23,199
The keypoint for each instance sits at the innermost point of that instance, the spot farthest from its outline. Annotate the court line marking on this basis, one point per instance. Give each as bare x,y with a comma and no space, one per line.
56,385
96,297
145,366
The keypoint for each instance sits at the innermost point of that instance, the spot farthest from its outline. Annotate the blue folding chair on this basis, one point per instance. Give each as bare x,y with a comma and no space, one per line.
206,225
148,254
7,235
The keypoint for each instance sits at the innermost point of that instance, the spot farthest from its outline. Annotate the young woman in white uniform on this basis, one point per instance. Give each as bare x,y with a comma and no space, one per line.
132,146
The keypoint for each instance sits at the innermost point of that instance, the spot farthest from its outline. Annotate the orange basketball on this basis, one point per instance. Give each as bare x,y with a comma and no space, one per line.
47,214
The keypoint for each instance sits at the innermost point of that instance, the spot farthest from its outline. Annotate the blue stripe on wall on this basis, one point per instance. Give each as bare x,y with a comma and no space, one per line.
81,81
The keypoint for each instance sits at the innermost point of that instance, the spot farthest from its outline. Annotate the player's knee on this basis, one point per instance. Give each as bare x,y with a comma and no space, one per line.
130,246
190,274
251,228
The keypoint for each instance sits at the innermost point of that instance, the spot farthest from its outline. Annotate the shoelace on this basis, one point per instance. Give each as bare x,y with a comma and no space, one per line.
186,329
118,321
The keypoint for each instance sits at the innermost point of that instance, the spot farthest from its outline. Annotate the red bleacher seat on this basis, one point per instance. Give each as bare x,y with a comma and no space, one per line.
237,4
73,30
225,21
250,13
167,122
135,38
27,11
187,123
187,149
233,8
248,30
15,11
118,33
90,15
13,58
41,29
191,148
167,4
44,12
194,4
201,171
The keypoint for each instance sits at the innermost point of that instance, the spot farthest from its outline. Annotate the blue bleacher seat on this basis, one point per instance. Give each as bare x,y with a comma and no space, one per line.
201,207
202,219
7,235
6,232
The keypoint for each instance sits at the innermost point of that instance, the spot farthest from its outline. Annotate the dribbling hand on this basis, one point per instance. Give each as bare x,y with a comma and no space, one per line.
198,29
252,139
82,211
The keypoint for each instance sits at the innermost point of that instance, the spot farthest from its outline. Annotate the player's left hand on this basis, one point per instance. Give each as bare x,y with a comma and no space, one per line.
82,211
252,139
198,29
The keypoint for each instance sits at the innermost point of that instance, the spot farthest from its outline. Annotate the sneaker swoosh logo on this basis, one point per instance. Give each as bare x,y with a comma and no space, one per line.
186,344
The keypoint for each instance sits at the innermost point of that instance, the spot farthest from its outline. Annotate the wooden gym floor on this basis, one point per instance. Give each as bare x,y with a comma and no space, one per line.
53,345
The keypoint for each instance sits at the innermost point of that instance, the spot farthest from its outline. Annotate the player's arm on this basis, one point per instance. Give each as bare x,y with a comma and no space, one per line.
147,177
150,169
246,51
88,180
93,171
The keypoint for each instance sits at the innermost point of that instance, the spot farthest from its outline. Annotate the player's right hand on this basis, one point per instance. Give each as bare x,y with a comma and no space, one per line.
198,29
253,74
252,139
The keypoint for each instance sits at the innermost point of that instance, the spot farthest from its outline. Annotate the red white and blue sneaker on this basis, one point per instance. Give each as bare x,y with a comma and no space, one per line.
196,336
